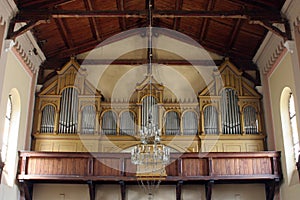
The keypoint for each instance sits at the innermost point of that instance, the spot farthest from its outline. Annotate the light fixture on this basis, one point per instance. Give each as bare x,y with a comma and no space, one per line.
150,156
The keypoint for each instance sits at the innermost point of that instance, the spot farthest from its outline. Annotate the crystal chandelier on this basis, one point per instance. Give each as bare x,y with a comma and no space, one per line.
150,155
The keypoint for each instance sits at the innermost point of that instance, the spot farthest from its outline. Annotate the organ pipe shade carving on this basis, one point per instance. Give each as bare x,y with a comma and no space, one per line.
127,123
149,108
68,117
231,123
88,120
250,120
172,125
109,123
211,120
48,116
190,123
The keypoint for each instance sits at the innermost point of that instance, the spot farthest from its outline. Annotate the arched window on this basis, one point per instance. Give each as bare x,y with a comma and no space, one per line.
7,125
68,117
48,116
250,120
109,123
230,111
10,138
189,123
172,126
290,136
294,130
88,120
211,120
127,123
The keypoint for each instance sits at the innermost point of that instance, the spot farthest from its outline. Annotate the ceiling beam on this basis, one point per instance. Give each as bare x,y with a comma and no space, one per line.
234,33
202,62
25,15
254,3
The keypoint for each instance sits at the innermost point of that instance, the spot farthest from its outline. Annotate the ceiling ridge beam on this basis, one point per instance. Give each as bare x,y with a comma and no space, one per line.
25,15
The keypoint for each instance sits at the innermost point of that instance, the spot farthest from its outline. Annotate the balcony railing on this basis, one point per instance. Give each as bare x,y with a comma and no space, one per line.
201,168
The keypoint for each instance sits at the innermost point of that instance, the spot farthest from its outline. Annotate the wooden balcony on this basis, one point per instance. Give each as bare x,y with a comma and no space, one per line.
198,168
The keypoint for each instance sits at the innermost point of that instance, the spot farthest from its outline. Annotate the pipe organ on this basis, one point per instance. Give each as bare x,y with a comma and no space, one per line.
72,115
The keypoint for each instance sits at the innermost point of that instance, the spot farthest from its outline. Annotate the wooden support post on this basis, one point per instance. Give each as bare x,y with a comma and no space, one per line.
26,189
179,190
208,189
272,189
92,190
123,190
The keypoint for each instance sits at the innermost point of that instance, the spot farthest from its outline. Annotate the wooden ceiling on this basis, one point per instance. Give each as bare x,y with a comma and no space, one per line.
231,28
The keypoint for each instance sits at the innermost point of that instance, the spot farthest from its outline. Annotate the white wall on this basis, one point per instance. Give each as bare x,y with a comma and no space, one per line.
17,78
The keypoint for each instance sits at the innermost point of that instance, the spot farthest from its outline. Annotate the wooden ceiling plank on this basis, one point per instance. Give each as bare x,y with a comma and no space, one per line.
44,3
122,21
254,3
176,21
92,20
210,5
64,33
234,33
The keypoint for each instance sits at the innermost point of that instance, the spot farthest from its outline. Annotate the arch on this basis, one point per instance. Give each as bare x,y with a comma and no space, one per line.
230,111
189,123
172,123
48,119
109,123
88,119
127,123
289,132
211,120
250,120
68,116
149,110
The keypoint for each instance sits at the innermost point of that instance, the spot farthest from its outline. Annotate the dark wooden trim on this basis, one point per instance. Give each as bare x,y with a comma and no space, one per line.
123,190
179,190
92,190
26,187
208,189
272,189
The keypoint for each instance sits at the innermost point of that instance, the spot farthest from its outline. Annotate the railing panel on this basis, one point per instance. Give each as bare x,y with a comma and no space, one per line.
194,167
117,166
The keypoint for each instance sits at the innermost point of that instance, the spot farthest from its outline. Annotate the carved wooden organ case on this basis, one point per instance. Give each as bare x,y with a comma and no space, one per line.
72,115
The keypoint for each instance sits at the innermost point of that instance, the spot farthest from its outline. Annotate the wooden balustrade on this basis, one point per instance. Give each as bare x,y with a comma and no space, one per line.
206,168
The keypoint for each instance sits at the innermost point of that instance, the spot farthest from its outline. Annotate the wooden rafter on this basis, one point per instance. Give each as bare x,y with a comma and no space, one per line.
254,3
210,4
176,21
31,24
92,21
122,20
64,32
234,33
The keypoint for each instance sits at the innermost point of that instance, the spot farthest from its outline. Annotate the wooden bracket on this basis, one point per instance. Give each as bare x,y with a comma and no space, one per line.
92,190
